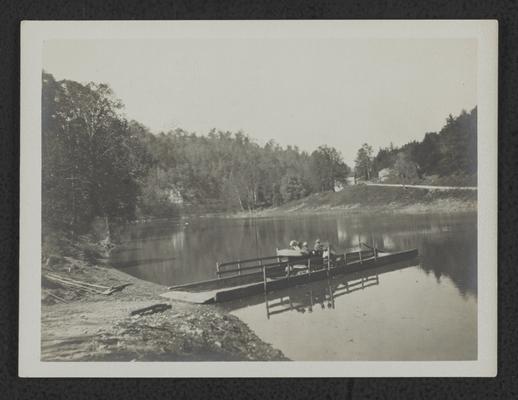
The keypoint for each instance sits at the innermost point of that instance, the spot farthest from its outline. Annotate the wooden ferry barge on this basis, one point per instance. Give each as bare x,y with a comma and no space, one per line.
243,278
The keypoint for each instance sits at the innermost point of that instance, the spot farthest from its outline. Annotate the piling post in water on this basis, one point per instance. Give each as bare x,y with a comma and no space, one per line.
267,306
238,267
360,249
264,278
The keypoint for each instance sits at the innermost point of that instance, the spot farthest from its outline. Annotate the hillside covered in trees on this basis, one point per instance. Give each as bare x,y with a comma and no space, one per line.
97,164
447,157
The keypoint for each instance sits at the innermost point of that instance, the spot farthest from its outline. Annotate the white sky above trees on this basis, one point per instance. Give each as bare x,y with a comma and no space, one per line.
339,92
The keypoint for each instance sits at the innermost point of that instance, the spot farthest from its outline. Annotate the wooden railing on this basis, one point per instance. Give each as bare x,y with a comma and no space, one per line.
257,264
243,265
263,264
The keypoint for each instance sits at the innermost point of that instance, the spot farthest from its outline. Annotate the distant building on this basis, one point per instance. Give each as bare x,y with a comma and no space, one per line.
384,174
175,196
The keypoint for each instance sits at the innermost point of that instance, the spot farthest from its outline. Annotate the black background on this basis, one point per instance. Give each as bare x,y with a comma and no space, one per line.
505,386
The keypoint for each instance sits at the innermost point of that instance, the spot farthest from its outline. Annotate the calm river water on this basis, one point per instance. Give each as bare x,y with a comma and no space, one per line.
423,310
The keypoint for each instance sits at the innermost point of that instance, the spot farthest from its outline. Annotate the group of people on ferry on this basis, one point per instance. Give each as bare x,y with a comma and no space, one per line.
318,248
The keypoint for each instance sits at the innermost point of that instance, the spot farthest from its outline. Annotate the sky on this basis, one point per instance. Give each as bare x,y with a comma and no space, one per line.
305,92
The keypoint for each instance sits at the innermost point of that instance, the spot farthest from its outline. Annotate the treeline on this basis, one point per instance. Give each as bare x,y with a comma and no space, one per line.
450,153
224,170
98,164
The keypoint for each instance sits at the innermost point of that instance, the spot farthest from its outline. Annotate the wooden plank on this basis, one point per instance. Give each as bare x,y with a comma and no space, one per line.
191,297
151,309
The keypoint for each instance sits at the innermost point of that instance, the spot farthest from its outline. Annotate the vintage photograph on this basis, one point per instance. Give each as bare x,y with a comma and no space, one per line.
260,198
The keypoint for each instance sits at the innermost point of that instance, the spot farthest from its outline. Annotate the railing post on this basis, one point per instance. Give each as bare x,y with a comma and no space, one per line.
360,249
238,267
217,270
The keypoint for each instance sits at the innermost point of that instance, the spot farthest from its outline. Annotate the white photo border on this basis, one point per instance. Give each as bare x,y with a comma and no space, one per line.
33,36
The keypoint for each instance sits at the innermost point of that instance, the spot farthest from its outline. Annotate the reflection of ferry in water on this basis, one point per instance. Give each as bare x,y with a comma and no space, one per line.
310,297
318,295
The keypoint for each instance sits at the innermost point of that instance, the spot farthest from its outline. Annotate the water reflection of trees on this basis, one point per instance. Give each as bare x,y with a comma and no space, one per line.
447,244
454,257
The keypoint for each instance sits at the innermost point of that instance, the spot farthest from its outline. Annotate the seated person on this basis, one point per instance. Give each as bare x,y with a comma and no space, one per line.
318,249
305,249
294,245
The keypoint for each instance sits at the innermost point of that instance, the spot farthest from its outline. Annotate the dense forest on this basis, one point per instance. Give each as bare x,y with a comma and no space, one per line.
448,156
224,170
96,163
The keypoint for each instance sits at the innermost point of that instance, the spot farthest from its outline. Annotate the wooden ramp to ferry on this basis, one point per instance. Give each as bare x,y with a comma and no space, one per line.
206,296
273,276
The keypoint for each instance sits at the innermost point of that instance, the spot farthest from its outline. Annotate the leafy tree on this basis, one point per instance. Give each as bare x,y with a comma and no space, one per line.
405,168
458,144
328,169
451,152
385,158
92,164
427,154
364,162
292,188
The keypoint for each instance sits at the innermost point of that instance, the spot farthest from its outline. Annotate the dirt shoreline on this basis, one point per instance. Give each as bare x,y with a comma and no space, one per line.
439,206
79,325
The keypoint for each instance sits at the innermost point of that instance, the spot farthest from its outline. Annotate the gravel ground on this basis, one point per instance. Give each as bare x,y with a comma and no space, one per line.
78,325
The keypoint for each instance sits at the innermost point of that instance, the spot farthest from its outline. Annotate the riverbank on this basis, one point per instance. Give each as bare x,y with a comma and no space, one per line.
376,199
81,324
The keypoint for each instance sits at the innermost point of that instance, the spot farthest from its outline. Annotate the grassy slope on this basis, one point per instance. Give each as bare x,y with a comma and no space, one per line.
377,198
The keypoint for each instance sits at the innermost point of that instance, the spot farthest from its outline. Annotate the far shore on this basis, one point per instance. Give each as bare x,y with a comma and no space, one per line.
367,199
356,200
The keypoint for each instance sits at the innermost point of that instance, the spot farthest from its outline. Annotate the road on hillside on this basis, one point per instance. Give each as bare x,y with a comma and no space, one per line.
428,187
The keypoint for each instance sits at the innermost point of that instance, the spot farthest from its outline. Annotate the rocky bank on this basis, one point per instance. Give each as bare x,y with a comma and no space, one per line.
82,324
